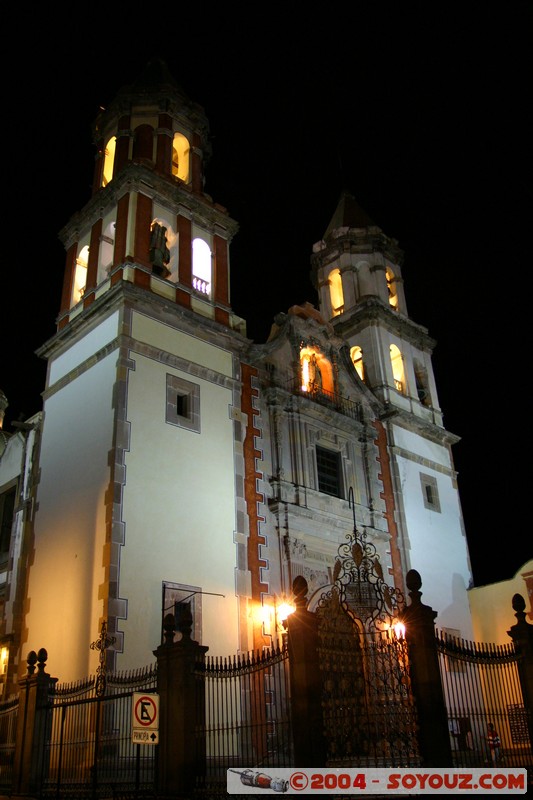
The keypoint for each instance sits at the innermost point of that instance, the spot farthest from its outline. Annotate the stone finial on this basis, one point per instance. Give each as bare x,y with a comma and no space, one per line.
300,588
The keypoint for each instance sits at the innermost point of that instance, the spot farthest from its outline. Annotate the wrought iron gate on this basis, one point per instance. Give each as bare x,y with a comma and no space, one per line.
369,711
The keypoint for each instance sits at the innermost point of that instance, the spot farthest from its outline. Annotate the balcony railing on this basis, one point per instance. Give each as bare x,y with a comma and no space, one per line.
331,400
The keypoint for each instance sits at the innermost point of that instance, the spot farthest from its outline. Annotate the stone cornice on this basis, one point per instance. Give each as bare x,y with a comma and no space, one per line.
159,308
374,309
169,192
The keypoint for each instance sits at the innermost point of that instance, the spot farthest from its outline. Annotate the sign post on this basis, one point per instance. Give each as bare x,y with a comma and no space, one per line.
145,718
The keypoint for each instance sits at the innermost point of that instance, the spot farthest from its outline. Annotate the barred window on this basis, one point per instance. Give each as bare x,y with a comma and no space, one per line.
328,467
430,492
183,403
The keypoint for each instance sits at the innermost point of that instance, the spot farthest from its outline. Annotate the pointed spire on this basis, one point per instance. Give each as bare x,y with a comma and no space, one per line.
348,214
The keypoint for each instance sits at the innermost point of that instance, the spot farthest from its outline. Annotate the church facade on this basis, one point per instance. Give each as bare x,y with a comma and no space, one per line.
181,464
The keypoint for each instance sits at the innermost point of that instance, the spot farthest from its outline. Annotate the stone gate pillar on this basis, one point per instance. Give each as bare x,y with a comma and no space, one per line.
181,753
419,621
30,740
305,682
522,636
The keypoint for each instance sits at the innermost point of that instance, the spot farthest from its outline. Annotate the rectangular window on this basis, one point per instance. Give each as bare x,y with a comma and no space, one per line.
183,403
430,492
179,599
328,467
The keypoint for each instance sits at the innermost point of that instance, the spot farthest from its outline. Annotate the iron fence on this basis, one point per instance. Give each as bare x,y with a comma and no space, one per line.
89,751
247,716
481,685
8,731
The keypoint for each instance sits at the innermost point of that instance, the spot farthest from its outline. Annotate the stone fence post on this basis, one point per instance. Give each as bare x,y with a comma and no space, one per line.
305,682
419,621
30,740
181,753
522,636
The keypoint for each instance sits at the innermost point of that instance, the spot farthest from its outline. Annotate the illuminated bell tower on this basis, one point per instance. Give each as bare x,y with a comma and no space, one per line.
152,149
140,432
357,271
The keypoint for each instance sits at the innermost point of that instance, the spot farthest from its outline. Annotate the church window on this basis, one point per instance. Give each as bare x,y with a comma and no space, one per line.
7,510
107,245
392,288
329,472
421,381
335,292
201,266
181,599
356,354
397,368
183,403
430,493
180,157
80,275
109,160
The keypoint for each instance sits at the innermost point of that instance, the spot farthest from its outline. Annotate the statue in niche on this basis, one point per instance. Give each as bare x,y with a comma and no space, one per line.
315,376
159,252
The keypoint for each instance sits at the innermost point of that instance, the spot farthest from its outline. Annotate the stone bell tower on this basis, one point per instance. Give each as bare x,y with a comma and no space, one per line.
137,509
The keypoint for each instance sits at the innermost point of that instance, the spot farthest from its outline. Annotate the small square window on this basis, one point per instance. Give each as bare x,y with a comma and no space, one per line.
430,492
183,403
180,599
328,467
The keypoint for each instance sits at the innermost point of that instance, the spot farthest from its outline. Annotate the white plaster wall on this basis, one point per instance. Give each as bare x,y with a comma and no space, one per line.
64,580
91,343
179,502
492,610
438,548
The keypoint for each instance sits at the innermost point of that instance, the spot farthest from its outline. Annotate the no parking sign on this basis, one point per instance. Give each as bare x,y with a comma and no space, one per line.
145,718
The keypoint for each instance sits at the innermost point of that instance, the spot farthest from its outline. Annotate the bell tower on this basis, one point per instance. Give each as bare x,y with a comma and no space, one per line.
149,220
357,271
141,433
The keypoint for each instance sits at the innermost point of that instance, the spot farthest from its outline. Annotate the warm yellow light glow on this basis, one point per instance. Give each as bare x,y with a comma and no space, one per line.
80,275
109,160
397,368
356,355
284,610
180,157
335,292
4,656
316,371
399,630
391,286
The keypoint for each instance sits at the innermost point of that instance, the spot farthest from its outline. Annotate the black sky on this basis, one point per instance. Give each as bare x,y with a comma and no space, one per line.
420,110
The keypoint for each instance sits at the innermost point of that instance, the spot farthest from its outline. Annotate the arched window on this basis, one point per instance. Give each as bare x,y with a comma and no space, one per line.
201,266
316,371
422,386
107,245
392,288
180,157
80,275
335,292
397,368
356,354
109,160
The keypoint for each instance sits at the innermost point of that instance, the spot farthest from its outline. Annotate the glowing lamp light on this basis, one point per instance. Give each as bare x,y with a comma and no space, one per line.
283,611
399,630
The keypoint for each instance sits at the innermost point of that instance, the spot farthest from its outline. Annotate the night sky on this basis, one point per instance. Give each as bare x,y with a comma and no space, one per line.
421,110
